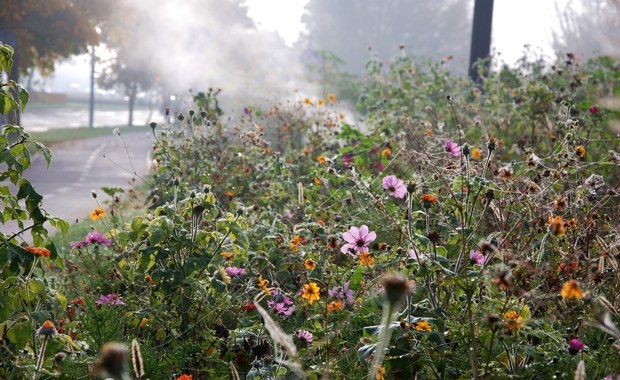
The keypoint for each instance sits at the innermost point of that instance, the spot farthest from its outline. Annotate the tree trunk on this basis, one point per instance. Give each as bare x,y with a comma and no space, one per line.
480,38
133,89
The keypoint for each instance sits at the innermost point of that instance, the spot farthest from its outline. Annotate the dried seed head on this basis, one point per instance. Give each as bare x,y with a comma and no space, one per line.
396,286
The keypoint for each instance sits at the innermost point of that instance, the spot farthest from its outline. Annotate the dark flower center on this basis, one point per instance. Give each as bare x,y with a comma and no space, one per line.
360,243
392,188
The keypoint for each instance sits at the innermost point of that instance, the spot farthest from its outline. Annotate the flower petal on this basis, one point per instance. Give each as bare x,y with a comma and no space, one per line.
370,237
363,232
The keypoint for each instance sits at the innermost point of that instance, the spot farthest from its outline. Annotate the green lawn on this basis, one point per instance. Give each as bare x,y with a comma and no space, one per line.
69,134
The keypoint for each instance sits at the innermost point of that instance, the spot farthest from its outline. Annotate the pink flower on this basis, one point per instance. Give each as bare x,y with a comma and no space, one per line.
395,186
235,271
305,336
110,299
357,240
593,109
452,148
477,257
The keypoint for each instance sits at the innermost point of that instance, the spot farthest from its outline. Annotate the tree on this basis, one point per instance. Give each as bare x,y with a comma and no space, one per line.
433,29
589,27
47,30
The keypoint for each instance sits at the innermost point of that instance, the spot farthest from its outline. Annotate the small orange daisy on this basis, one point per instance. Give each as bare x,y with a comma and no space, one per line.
38,251
97,214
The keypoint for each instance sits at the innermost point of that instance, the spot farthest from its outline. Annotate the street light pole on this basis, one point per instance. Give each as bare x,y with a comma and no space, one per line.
91,103
480,36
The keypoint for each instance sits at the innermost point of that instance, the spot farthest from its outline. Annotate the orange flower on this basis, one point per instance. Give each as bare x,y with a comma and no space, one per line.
380,375
321,160
423,326
308,101
317,181
97,214
513,320
366,259
341,116
386,152
38,251
427,198
331,97
581,151
310,264
262,283
571,290
557,225
306,151
296,241
228,256
568,267
476,154
311,292
144,322
321,102
335,305
149,280
184,377
229,194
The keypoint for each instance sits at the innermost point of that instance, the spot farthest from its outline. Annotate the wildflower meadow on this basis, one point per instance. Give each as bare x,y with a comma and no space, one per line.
445,229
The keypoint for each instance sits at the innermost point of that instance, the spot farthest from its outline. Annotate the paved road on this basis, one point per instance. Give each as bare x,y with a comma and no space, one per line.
79,167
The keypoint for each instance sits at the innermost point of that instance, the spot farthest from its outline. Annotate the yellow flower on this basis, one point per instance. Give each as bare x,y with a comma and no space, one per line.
581,151
513,320
331,97
321,102
97,214
476,154
144,322
335,305
366,259
423,326
310,264
321,160
311,292
308,101
571,290
262,283
317,181
386,152
380,375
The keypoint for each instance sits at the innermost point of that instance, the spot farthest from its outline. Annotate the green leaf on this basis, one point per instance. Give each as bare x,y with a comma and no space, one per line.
23,98
19,333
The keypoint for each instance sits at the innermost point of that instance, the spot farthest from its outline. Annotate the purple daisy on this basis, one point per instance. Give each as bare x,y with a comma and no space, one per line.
575,346
452,148
394,186
357,240
342,293
96,237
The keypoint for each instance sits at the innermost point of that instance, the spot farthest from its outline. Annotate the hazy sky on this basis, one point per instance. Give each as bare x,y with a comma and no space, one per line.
515,23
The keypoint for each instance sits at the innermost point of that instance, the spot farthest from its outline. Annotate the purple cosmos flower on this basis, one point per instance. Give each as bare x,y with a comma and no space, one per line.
610,377
575,346
235,271
452,148
423,257
342,293
95,237
477,257
357,240
110,299
78,244
395,186
281,304
305,336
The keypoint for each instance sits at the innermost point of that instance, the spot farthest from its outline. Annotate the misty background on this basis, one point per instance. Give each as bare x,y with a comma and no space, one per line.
152,53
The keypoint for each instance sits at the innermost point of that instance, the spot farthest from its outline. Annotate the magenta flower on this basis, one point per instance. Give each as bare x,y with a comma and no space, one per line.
95,237
593,109
452,148
477,257
357,240
575,346
110,299
281,304
346,160
235,271
394,186
305,336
